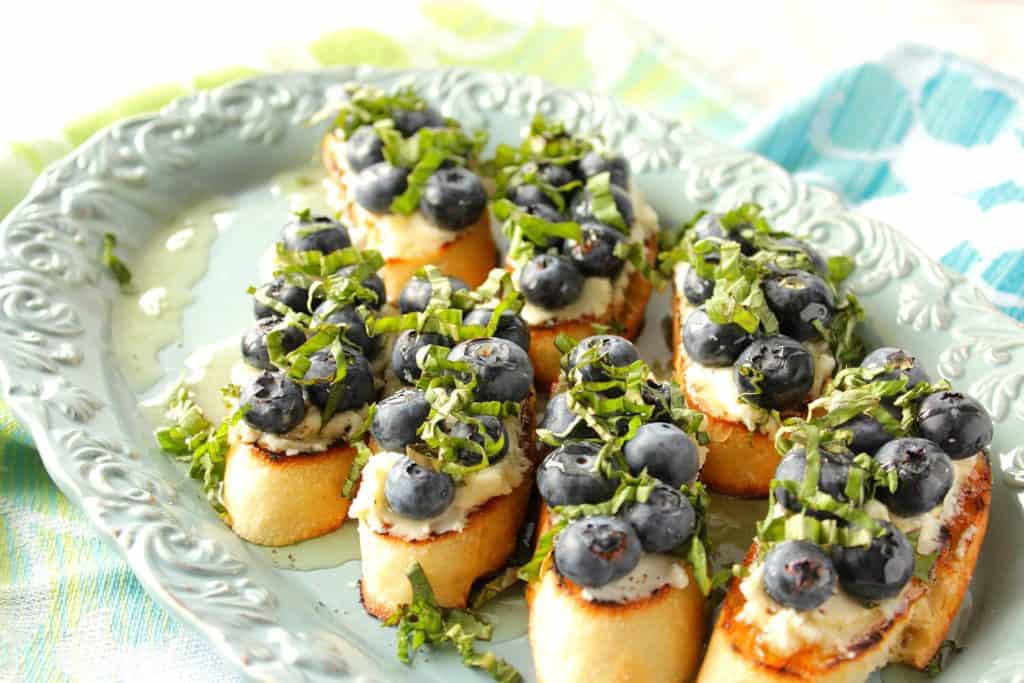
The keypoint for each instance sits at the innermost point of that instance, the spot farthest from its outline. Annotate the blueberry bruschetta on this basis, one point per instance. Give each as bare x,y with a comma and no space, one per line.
580,238
621,563
402,176
759,329
878,512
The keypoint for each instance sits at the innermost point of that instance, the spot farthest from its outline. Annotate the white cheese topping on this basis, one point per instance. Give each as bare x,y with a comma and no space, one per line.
599,293
651,573
371,508
309,436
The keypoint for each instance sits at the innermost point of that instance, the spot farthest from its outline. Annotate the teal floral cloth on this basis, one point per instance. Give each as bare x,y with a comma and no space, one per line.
928,142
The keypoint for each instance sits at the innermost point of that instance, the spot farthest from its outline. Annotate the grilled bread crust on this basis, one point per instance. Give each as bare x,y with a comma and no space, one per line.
912,636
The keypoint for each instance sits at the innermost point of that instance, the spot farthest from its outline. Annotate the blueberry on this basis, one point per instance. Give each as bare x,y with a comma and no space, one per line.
373,282
551,282
511,326
665,451
658,395
775,372
549,214
902,363
595,253
925,475
868,434
529,195
319,233
710,225
416,293
398,418
503,370
959,424
876,571
556,175
713,344
833,473
696,289
597,550
558,419
295,298
409,121
453,198
354,391
495,430
581,209
352,324
595,355
799,299
364,149
815,257
567,476
665,521
377,185
407,345
798,574
418,492
273,403
254,342
618,168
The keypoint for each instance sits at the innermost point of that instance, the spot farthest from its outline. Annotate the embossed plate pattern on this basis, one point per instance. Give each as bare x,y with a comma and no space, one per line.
59,376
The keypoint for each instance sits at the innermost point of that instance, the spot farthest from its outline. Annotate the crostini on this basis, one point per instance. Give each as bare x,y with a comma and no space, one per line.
581,238
402,176
759,328
621,561
863,559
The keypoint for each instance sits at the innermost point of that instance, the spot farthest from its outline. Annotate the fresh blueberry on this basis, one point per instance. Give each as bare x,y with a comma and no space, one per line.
295,298
665,451
551,282
495,430
529,195
407,345
398,418
352,324
418,492
415,295
254,342
710,225
594,551
556,175
364,149
813,255
868,434
618,168
798,574
582,210
409,121
320,233
453,198
664,522
799,299
273,403
354,391
511,326
925,475
593,357
876,571
696,289
958,423
373,282
658,395
549,214
503,370
713,344
567,476
559,418
775,372
902,364
595,253
376,186
833,473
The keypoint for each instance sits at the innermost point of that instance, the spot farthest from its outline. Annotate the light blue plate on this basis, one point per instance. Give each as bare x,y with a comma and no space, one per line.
58,372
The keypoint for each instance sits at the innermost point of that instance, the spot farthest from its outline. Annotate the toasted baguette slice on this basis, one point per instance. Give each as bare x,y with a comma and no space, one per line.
282,499
629,314
912,636
659,638
454,560
739,462
470,256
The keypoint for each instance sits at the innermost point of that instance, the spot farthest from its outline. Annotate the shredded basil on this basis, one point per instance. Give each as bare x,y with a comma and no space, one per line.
602,202
114,264
364,105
